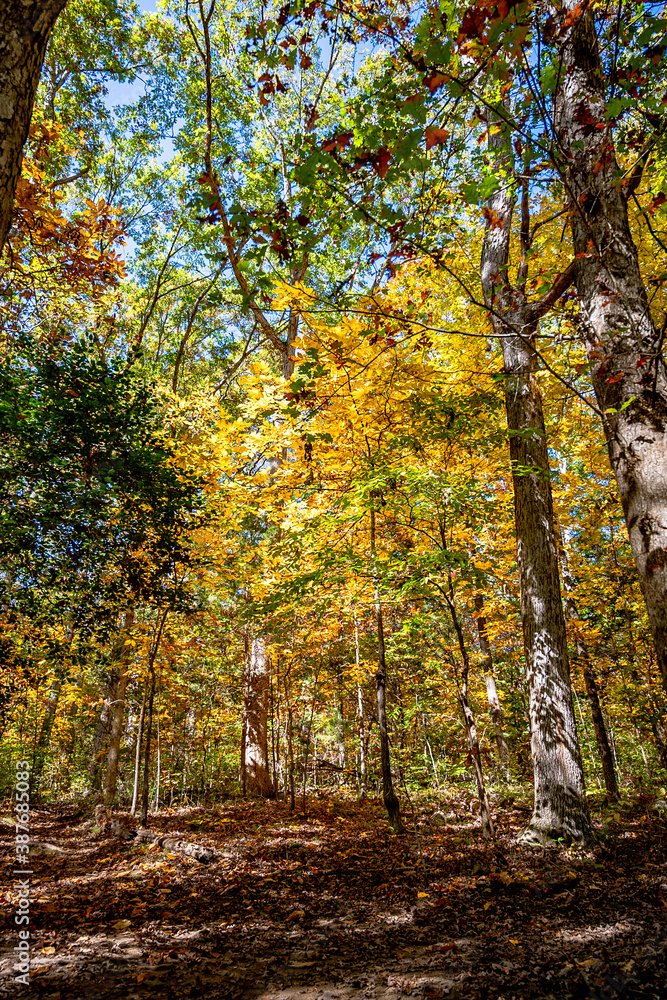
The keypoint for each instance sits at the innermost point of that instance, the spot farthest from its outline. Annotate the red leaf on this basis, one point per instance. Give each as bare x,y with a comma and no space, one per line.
435,136
381,162
435,81
494,219
340,141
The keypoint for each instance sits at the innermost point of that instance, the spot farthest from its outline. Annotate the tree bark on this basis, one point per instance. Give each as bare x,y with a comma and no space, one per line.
468,716
491,690
25,27
389,796
360,717
629,375
604,749
44,737
102,729
255,723
143,818
158,761
137,754
560,808
121,655
639,669
157,636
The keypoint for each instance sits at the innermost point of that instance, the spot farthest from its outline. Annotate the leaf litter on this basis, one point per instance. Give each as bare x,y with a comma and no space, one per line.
332,906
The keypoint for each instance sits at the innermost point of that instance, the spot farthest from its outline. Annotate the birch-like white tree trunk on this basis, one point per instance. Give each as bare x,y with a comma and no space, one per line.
560,809
629,374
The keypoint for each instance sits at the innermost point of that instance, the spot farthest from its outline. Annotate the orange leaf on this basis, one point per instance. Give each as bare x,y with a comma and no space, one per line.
435,136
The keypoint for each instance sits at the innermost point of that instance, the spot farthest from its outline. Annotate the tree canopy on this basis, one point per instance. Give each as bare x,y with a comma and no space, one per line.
333,404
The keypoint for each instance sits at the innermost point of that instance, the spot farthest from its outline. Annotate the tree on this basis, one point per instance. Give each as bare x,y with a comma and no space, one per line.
560,808
618,327
25,27
255,774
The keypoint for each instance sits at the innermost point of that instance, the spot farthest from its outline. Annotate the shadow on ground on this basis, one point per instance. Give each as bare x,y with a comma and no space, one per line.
331,905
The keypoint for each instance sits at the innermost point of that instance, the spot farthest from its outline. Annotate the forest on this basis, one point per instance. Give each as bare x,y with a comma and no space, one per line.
333,499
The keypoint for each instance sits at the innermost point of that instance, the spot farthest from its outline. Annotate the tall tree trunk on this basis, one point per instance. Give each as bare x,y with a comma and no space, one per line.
560,807
604,749
389,796
491,691
44,737
137,753
255,723
468,715
121,656
629,374
158,761
340,716
640,676
72,710
639,670
25,27
143,819
102,729
157,637
360,717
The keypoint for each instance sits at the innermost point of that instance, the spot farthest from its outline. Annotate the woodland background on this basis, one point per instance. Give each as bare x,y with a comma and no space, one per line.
254,442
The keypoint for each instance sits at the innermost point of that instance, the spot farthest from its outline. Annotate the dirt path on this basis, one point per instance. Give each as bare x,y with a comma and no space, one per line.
333,906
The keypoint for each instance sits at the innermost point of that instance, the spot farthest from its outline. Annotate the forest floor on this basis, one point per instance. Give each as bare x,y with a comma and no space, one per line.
331,906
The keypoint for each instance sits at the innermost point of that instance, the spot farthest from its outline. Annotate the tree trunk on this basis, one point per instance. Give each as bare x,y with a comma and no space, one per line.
560,807
137,753
340,716
121,655
157,636
25,27
255,723
158,761
72,711
44,737
473,746
639,667
360,717
143,819
604,749
468,715
389,796
630,382
102,730
491,691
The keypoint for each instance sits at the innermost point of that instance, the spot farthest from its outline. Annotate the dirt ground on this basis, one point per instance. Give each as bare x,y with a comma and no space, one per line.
330,904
